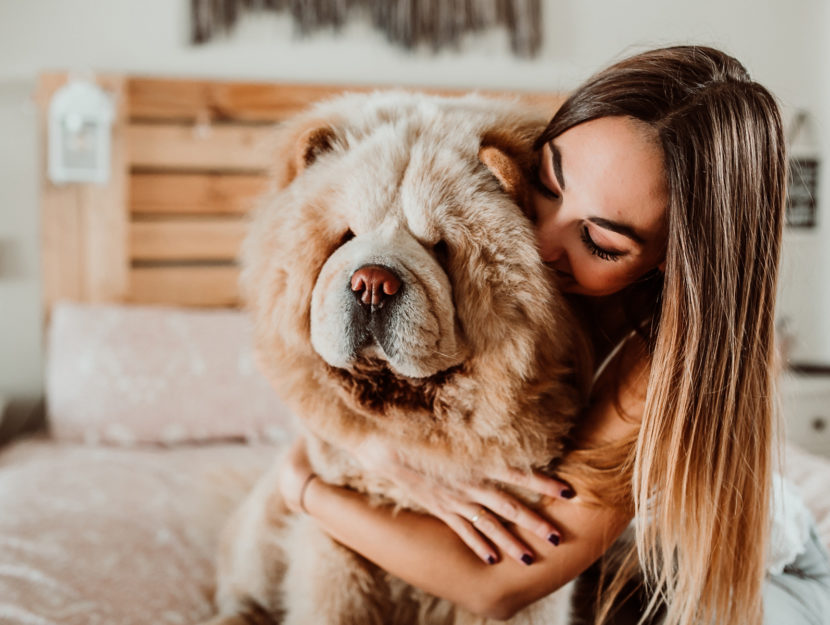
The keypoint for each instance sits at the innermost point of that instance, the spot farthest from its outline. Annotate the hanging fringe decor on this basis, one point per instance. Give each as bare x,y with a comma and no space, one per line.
409,23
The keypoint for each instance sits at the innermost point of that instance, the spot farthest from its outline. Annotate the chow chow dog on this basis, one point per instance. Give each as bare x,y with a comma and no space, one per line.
396,289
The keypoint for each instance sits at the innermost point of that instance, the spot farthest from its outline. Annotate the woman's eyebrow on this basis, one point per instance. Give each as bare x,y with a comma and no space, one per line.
556,157
620,228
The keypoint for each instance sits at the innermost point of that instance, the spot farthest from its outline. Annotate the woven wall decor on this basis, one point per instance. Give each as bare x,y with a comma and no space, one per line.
409,23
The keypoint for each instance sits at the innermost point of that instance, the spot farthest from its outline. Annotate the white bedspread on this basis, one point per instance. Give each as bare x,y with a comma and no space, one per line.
92,535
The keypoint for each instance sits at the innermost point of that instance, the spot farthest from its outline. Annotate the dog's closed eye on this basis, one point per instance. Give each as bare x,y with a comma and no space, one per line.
347,236
442,252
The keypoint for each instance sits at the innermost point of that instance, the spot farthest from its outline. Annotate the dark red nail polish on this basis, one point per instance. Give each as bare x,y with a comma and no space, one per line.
527,559
491,560
567,493
553,538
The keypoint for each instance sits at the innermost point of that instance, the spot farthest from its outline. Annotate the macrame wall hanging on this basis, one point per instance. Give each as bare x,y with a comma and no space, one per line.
409,23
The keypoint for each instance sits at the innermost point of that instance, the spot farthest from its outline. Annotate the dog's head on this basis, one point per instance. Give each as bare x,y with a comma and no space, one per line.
395,280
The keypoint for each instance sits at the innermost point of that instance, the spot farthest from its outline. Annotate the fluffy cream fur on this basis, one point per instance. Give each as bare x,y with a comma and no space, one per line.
469,366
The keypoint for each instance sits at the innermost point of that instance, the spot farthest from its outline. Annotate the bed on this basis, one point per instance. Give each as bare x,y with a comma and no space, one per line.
158,419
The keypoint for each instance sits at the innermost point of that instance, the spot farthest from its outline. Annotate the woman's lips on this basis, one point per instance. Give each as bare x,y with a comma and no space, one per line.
566,281
563,277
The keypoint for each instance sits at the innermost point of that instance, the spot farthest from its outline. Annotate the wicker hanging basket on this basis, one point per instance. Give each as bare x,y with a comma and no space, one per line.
409,23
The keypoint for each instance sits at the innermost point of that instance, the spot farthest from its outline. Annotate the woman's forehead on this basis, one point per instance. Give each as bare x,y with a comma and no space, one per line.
615,166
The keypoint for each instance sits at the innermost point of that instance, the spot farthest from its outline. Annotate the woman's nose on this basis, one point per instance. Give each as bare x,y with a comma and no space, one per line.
550,231
552,253
550,244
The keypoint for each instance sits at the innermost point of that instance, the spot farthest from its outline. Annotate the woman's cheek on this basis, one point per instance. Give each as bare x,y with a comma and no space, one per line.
590,282
600,280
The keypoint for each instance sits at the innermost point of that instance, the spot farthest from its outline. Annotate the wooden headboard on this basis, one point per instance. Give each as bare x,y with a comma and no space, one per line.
188,158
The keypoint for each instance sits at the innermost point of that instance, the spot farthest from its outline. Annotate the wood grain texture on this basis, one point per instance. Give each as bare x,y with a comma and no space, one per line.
189,194
217,148
61,238
209,239
202,286
199,100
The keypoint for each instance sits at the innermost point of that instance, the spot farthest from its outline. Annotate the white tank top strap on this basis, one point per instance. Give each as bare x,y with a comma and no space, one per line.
616,351
611,355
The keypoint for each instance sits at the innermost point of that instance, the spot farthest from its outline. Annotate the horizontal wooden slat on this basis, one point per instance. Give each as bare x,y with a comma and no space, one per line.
216,238
218,148
185,194
184,286
192,100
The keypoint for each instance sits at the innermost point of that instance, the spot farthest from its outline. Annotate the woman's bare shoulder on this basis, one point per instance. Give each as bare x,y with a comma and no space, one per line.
600,460
618,396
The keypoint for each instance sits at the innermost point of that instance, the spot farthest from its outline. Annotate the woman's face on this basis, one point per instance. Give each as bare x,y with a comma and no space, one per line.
601,205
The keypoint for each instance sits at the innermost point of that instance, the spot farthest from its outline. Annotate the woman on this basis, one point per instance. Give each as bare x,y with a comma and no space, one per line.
659,205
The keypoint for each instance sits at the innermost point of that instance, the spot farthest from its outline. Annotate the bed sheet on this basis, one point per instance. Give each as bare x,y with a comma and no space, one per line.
96,535
102,535
811,476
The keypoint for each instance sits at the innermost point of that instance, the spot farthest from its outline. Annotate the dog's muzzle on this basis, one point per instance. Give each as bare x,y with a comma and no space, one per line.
377,291
388,298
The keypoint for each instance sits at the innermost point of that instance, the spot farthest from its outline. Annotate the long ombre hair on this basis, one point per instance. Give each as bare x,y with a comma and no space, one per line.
700,468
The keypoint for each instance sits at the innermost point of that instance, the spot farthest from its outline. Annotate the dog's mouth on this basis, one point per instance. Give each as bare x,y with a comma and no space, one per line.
373,386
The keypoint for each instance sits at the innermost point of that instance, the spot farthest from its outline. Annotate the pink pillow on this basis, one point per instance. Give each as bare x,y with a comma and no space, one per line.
130,374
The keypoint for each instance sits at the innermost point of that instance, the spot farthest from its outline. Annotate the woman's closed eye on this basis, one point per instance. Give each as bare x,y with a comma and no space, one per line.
596,250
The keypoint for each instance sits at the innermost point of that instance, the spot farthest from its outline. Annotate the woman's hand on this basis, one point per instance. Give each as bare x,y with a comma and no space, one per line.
475,512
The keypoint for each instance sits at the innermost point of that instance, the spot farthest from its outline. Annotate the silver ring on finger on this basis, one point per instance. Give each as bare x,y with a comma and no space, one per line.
477,516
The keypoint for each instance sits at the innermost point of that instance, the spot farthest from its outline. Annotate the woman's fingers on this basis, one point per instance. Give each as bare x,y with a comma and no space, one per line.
511,509
475,514
536,482
473,539
488,524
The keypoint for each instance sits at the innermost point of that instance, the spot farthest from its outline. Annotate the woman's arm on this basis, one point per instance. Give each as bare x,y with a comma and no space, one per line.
425,552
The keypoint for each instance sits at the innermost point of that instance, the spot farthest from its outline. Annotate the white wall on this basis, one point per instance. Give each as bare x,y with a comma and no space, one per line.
782,43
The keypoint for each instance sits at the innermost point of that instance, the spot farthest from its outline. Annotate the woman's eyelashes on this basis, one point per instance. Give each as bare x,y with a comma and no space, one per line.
595,249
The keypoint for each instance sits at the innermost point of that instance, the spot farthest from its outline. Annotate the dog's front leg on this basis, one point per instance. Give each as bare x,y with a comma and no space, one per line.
252,562
327,583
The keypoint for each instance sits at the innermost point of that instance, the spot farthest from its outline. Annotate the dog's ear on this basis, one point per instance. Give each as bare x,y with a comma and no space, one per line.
509,159
313,143
298,146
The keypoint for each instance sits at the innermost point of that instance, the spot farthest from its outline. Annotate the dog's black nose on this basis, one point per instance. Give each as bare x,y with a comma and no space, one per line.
373,285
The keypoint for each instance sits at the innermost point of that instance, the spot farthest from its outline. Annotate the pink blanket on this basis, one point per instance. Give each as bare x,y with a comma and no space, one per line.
93,535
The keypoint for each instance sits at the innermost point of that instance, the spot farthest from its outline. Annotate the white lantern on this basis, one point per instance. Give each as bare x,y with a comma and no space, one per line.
80,128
